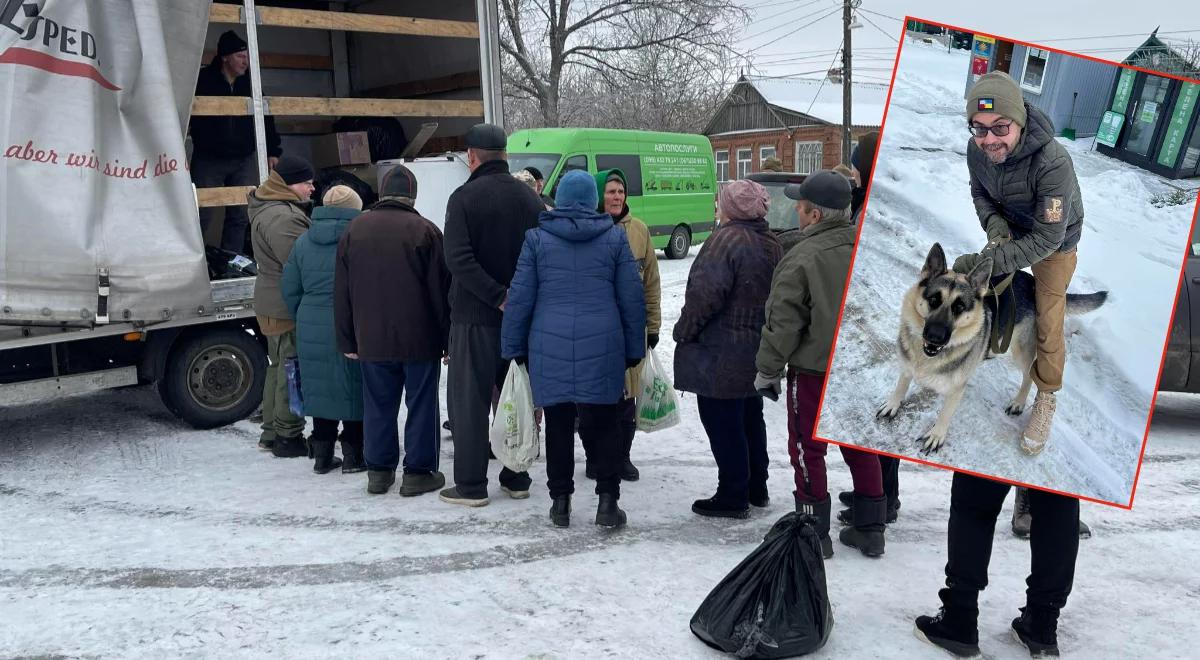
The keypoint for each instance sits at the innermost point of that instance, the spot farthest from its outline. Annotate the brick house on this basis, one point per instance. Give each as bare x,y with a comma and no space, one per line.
796,120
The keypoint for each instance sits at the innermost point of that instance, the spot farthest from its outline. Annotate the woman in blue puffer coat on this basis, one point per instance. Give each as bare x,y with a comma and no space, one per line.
576,315
331,384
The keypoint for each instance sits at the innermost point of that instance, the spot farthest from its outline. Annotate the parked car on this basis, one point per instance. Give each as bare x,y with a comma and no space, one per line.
1181,368
781,213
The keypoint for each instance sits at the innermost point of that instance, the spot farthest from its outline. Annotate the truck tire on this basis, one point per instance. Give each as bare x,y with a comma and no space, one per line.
679,244
214,378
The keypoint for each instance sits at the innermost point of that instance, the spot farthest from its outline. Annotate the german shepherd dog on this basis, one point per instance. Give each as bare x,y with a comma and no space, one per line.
945,328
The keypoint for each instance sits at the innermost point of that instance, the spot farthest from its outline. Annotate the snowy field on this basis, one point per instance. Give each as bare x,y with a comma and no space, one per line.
921,195
126,534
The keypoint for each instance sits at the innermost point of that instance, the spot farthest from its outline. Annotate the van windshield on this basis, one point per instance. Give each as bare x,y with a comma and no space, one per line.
545,163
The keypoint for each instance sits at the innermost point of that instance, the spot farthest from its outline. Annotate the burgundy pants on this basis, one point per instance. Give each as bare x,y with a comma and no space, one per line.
808,455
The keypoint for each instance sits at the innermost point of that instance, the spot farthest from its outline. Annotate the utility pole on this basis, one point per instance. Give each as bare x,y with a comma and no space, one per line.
847,117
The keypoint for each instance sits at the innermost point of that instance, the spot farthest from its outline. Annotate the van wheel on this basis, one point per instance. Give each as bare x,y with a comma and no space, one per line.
214,378
680,243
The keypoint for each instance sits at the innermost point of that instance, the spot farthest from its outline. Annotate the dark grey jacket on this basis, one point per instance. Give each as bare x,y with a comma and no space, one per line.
1034,191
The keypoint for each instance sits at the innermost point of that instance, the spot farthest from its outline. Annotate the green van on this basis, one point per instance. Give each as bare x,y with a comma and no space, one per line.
671,176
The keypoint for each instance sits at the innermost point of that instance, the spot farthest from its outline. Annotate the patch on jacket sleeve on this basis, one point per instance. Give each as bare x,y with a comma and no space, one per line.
1054,209
641,265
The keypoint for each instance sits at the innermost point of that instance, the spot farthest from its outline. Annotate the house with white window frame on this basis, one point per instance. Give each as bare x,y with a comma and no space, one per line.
795,120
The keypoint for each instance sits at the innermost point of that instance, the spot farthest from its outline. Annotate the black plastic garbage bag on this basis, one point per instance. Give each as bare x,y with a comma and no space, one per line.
775,603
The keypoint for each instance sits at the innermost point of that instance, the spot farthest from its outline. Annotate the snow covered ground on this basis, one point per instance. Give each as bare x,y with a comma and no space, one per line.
126,534
921,195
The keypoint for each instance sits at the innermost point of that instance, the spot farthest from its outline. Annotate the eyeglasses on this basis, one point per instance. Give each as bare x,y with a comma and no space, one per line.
979,130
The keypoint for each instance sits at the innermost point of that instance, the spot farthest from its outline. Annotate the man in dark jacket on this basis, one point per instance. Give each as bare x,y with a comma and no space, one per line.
279,213
223,148
1028,202
392,315
486,221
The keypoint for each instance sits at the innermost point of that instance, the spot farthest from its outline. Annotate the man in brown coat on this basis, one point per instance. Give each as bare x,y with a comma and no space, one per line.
278,216
392,314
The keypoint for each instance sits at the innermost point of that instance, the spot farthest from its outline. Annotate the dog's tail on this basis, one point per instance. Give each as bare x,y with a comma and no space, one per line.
1082,303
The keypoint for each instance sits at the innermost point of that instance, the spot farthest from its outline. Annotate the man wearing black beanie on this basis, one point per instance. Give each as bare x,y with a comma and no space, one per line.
224,148
279,215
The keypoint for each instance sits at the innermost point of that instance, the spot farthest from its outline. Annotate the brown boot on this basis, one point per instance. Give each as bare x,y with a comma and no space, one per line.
1037,431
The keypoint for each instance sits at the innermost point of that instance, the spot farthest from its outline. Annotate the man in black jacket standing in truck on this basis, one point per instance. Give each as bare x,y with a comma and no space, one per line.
486,221
223,148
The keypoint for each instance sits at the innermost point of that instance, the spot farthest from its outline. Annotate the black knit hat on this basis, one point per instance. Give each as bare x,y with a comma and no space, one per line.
230,43
535,173
488,137
294,169
399,182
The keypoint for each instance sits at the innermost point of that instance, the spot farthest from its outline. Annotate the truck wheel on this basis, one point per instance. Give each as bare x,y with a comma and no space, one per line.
214,378
680,243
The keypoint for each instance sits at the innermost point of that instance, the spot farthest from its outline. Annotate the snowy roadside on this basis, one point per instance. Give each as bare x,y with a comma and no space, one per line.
129,535
1130,248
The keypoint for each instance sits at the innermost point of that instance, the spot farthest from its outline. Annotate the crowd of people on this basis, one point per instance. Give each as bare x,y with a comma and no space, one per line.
372,304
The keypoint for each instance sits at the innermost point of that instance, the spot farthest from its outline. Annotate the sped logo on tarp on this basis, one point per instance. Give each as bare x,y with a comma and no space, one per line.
25,18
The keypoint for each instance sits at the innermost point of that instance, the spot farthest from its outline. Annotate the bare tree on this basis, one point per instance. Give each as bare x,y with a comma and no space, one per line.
602,55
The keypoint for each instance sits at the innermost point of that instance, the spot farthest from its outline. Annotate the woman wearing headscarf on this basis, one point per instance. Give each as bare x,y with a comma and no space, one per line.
330,383
576,316
716,340
612,188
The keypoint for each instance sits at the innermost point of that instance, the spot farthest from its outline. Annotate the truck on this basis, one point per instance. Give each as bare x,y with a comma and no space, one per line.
104,280
1181,363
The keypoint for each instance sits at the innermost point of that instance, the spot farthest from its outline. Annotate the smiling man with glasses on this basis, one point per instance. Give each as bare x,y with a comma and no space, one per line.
1027,199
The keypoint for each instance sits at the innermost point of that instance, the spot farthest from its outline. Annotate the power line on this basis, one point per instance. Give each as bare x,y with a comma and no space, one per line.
880,29
781,38
1113,36
785,11
879,14
781,25
822,85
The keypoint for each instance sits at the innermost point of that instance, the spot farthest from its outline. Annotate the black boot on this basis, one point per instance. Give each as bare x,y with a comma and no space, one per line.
379,481
953,630
322,451
759,495
867,532
608,514
846,516
1021,519
352,455
560,511
292,447
629,471
821,511
716,507
1037,629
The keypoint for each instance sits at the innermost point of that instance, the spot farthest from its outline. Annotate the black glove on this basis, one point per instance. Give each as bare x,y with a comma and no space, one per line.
652,340
521,360
632,362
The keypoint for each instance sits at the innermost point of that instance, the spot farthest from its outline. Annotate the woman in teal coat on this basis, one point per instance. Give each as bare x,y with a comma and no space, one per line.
330,383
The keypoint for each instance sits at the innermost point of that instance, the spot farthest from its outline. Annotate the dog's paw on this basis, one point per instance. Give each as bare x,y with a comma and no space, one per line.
888,411
1015,409
932,441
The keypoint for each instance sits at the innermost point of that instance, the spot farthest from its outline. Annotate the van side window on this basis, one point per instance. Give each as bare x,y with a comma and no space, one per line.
575,163
630,165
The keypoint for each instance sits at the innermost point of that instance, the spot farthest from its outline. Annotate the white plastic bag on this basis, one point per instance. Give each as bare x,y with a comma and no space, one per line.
657,405
514,435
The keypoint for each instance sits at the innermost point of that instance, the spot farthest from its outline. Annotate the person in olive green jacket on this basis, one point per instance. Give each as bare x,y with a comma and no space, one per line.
802,317
278,216
612,188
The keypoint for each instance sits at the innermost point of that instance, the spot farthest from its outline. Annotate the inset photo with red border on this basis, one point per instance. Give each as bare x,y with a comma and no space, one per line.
1018,265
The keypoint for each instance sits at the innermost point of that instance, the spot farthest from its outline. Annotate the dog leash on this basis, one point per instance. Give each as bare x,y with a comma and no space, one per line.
1001,336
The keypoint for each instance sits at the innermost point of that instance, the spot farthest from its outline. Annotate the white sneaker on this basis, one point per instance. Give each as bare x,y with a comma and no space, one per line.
1037,431
516,494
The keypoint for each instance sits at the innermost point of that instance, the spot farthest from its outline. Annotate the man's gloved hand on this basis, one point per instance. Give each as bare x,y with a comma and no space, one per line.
632,362
521,360
768,386
652,340
998,231
966,263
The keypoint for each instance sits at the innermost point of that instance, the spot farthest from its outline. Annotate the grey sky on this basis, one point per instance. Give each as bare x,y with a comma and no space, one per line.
1052,23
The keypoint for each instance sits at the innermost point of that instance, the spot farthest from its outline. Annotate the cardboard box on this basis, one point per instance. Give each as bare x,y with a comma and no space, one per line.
340,149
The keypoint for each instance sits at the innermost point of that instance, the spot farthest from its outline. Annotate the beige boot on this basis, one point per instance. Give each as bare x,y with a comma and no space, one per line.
1037,431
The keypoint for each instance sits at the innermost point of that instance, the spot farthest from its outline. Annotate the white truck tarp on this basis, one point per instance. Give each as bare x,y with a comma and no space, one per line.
93,174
